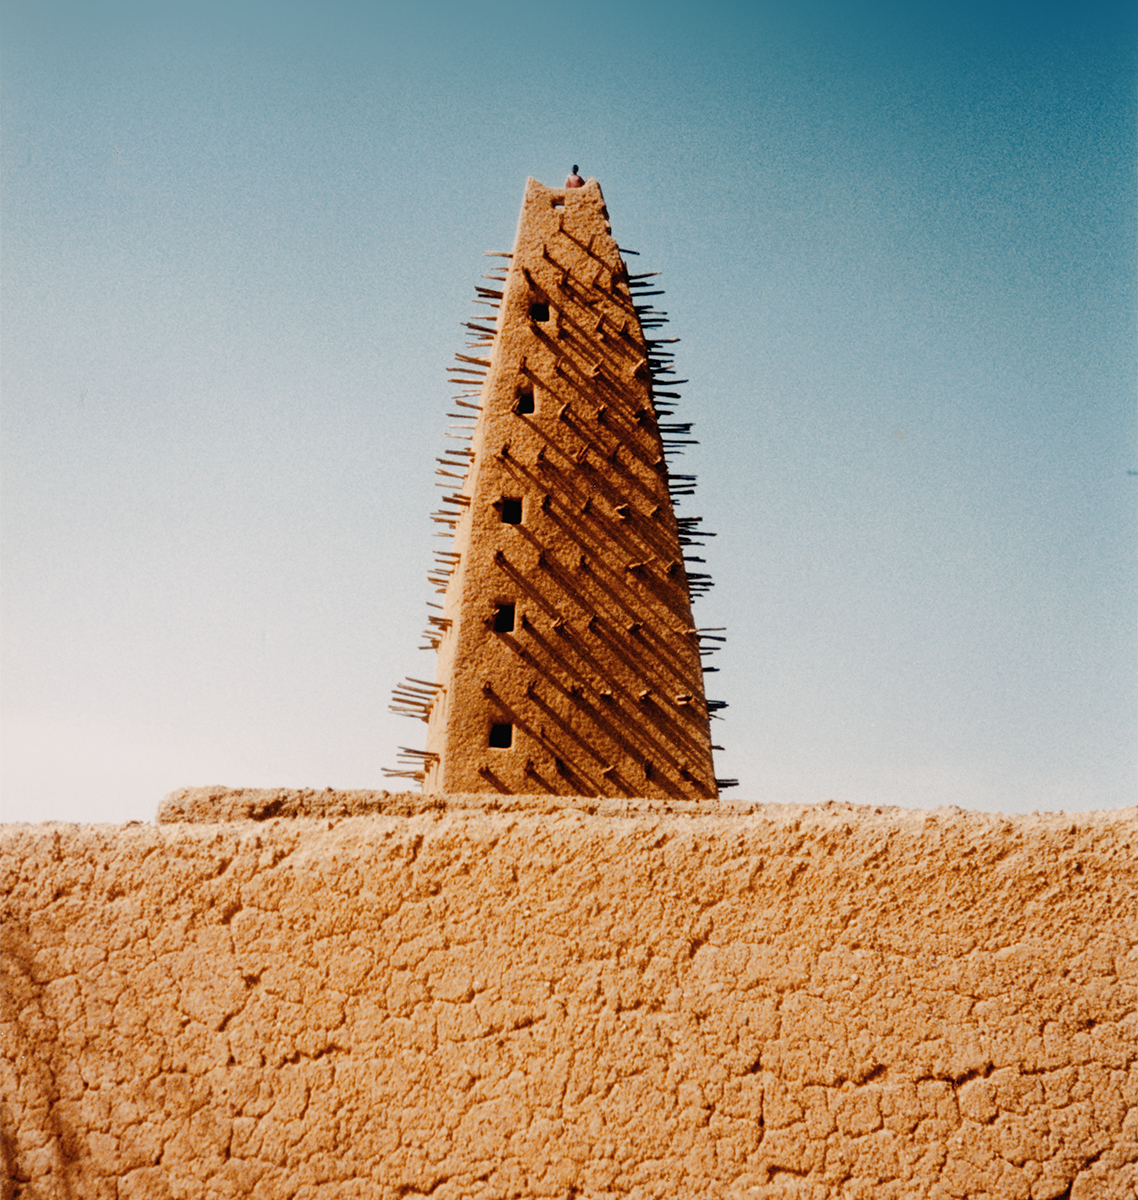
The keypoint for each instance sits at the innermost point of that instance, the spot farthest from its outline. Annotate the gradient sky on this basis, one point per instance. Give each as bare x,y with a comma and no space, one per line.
899,248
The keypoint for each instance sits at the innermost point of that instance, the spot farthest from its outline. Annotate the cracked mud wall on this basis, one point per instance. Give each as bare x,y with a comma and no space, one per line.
572,999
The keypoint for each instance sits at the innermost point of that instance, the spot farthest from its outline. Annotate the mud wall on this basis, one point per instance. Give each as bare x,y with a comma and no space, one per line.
558,998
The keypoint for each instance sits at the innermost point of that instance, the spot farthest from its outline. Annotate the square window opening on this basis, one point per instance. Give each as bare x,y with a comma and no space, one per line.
511,510
524,404
504,618
501,736
539,311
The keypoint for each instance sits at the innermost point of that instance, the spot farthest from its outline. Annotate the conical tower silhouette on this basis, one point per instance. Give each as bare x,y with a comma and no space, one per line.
568,661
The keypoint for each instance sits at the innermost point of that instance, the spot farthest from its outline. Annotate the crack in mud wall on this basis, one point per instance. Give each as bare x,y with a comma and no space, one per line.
755,1002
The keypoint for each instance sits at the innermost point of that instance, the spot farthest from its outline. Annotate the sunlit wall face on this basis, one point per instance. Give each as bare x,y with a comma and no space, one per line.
898,248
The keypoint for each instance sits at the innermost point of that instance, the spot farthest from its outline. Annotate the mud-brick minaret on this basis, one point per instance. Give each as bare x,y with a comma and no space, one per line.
567,658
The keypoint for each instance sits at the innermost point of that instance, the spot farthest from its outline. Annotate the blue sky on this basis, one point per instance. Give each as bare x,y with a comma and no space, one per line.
238,242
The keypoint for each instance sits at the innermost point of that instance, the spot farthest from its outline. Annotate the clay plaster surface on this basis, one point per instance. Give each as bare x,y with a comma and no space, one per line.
494,997
598,675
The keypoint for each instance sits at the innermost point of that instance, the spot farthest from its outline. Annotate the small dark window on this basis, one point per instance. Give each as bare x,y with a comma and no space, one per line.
524,404
501,736
539,311
504,618
511,510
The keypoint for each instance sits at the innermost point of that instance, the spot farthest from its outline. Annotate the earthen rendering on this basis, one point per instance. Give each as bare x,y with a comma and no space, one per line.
568,660
395,996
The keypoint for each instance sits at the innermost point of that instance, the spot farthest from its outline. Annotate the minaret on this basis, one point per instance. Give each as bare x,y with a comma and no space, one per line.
568,661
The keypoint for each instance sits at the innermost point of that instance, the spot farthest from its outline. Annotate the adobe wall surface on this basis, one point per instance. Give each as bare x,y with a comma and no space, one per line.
595,680
564,998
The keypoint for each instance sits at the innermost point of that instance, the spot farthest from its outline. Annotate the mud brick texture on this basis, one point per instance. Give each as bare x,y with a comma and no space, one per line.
564,516
513,997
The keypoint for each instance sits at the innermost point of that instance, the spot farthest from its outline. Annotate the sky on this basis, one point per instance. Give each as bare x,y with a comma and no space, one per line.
898,244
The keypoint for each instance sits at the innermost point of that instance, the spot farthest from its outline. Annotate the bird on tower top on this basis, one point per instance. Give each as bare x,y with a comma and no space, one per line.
574,179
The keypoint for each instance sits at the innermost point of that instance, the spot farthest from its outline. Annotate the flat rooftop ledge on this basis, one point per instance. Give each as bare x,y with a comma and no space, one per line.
216,804
208,805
